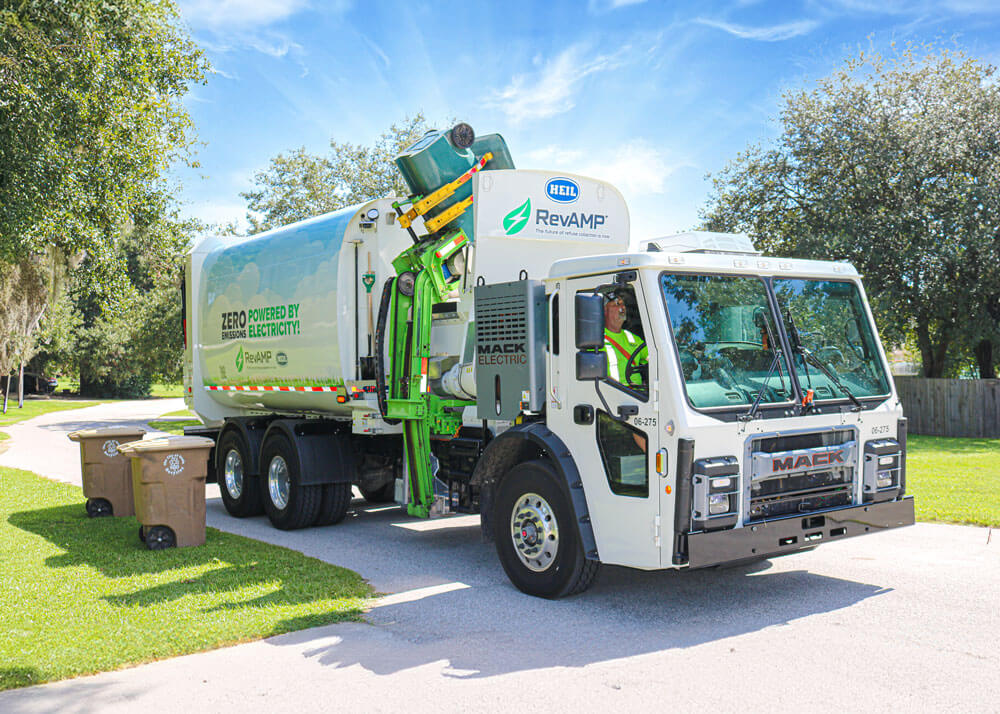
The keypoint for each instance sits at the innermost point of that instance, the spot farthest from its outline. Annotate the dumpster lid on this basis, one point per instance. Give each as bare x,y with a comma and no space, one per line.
166,443
106,432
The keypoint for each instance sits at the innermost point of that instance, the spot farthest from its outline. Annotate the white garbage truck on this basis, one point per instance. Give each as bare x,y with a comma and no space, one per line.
490,344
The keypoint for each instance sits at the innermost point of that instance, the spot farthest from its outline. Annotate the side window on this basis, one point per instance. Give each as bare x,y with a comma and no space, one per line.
624,338
623,449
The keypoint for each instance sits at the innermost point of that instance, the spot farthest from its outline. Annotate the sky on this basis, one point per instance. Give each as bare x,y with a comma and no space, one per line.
651,95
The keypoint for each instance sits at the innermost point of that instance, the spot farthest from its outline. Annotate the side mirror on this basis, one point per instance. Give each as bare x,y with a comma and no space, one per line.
591,365
589,320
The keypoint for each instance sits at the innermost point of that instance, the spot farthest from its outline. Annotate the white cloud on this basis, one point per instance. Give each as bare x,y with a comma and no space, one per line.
772,33
636,168
602,6
551,89
227,15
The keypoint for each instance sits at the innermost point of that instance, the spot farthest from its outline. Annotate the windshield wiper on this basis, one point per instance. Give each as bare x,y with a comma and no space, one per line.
760,394
831,376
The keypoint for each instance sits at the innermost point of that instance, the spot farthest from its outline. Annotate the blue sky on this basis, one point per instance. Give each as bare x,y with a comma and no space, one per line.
650,95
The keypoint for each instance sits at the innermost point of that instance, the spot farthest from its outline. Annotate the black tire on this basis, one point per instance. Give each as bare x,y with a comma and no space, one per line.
299,506
99,508
382,494
160,538
334,503
241,496
568,572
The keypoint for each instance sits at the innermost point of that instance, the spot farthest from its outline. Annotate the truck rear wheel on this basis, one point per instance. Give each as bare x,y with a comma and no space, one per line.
333,506
288,503
537,538
240,490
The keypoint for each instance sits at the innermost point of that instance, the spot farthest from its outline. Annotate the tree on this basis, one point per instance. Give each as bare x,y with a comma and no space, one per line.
892,164
23,293
90,117
301,185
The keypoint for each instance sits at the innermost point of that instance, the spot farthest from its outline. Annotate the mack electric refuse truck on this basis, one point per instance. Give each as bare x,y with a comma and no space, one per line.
490,344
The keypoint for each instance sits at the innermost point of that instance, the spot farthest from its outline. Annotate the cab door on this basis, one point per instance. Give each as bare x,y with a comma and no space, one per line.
610,425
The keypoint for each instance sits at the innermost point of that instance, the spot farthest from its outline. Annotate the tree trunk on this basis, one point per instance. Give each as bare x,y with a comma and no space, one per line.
985,360
6,394
20,386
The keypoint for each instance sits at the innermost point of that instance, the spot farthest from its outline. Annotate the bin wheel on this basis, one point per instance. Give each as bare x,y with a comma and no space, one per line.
142,533
160,538
536,534
99,507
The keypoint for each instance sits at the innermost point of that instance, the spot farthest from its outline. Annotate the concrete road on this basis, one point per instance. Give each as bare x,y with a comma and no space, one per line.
905,620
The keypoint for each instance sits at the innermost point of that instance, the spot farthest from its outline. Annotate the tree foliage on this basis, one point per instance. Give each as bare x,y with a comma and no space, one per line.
90,117
894,165
300,185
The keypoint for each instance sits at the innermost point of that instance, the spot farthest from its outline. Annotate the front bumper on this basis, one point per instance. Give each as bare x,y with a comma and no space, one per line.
787,535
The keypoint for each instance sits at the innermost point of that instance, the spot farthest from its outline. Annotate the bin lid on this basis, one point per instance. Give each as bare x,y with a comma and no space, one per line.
106,432
166,443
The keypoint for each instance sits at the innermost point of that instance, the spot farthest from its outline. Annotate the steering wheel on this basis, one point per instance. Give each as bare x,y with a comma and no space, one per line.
632,368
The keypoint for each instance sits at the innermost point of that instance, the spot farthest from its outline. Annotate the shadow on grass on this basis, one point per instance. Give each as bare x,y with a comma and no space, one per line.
14,677
112,547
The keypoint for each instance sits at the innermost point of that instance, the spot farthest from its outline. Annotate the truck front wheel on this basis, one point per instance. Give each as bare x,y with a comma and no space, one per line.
288,503
537,538
240,490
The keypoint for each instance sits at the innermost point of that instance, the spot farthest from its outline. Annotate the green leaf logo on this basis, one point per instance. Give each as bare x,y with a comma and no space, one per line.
516,220
239,360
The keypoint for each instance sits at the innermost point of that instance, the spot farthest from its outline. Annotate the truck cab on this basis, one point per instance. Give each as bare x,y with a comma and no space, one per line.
754,416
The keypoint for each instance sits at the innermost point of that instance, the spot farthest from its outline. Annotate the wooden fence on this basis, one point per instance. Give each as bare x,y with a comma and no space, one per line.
951,407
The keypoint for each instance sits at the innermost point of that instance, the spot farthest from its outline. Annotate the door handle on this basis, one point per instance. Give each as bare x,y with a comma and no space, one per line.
627,410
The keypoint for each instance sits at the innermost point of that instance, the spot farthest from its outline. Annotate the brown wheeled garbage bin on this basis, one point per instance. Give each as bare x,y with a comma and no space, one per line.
168,480
106,472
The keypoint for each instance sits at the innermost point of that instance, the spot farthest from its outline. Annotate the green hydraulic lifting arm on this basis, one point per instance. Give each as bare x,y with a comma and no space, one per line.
425,273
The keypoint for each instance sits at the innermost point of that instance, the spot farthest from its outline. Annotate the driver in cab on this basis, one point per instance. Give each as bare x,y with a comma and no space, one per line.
619,343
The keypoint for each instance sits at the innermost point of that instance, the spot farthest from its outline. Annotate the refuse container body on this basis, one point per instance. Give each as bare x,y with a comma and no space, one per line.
107,472
168,481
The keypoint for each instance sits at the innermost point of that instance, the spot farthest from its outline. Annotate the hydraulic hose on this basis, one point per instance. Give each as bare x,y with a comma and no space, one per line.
380,382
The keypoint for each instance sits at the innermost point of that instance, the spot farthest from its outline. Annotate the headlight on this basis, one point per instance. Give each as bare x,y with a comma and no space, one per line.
884,479
718,503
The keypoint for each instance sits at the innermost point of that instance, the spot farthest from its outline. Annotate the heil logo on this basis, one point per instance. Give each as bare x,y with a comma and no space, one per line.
562,190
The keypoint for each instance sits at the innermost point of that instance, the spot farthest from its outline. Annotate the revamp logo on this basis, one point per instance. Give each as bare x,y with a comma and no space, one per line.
281,358
239,360
562,190
516,220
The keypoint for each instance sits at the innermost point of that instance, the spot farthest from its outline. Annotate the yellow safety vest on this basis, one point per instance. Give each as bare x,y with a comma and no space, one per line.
619,346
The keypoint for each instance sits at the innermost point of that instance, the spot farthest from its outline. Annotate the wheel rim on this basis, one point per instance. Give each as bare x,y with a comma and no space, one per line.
234,473
535,532
277,482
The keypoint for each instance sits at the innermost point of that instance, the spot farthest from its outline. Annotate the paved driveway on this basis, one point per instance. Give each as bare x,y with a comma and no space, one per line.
905,620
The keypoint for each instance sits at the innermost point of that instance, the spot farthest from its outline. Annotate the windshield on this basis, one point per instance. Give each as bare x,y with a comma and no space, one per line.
726,340
827,317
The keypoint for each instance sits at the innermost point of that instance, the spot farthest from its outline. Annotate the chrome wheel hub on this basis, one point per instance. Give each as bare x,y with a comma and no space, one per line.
535,532
277,482
234,473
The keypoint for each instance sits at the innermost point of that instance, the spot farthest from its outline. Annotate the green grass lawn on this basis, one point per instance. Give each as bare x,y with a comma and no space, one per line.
954,480
83,595
160,391
37,407
175,426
